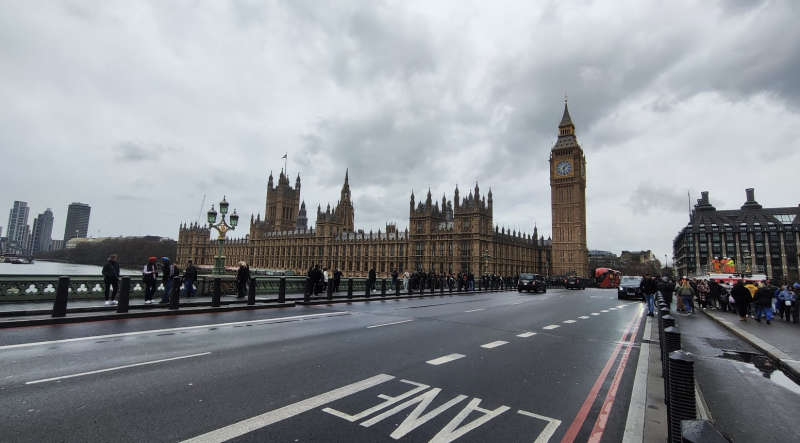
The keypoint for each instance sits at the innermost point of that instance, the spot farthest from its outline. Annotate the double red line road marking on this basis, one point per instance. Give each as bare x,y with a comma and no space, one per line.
627,340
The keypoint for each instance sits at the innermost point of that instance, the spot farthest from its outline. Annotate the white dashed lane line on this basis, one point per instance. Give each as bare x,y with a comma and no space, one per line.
388,324
604,310
445,359
551,327
526,334
494,344
583,317
569,321
475,310
595,313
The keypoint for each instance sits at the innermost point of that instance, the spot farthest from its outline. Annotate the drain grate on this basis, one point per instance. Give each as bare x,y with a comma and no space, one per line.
733,345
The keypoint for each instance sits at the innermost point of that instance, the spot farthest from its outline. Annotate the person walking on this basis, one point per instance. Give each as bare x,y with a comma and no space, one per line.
679,306
666,288
316,280
189,277
762,300
242,278
786,300
686,292
166,278
702,294
715,294
150,277
325,280
111,279
649,287
337,279
395,276
406,276
742,298
372,278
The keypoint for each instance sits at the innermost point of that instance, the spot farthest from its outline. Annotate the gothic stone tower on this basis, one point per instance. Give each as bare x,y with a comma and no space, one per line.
568,200
283,204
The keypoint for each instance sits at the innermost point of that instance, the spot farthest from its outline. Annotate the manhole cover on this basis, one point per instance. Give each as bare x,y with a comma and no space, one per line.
733,345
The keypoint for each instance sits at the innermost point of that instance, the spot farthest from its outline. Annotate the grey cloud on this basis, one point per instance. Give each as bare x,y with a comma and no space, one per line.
646,198
140,150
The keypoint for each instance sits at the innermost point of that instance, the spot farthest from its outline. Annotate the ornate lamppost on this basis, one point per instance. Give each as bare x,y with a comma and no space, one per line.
222,228
746,258
547,269
486,258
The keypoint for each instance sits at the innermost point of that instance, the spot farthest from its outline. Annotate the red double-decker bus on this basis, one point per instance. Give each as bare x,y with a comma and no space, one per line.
606,278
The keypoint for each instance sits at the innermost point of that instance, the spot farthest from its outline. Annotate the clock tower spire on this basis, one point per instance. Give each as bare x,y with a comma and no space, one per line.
570,254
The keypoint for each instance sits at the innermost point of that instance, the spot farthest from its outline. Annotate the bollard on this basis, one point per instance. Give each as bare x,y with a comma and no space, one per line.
661,313
62,293
450,287
308,291
433,287
383,287
349,288
282,290
175,295
329,290
217,294
682,404
124,295
397,289
441,287
701,431
672,342
251,292
410,286
667,321
367,288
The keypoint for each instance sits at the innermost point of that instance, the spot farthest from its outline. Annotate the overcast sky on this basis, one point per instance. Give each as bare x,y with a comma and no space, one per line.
140,108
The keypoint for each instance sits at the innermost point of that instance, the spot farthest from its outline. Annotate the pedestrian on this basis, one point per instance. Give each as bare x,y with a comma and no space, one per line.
242,278
316,280
471,280
666,288
166,278
325,280
111,279
406,276
686,292
372,278
762,300
649,287
786,299
149,277
395,276
714,294
189,277
337,279
702,294
742,298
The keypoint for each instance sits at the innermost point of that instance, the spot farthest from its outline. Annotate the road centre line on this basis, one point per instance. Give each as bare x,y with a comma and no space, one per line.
551,327
114,369
526,334
388,324
519,303
494,344
583,317
263,420
475,310
604,310
445,359
595,313
569,321
183,328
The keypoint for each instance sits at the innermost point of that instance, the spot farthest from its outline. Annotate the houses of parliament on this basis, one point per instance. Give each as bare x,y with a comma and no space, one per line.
442,235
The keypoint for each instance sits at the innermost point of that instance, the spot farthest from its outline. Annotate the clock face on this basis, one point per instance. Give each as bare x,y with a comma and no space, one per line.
583,169
563,168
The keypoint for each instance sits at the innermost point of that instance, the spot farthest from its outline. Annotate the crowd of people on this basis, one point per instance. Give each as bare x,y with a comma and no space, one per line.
756,300
151,271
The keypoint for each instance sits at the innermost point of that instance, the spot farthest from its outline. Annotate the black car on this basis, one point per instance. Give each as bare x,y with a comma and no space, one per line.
574,283
629,287
530,282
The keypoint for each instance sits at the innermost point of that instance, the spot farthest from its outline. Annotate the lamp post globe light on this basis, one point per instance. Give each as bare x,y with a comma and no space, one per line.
222,228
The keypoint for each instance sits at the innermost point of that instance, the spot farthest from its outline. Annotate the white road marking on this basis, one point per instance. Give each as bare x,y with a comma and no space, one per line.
114,369
445,359
543,298
549,430
388,324
621,306
634,425
551,327
512,304
612,309
184,328
475,310
604,310
595,313
526,334
260,421
569,321
583,317
494,344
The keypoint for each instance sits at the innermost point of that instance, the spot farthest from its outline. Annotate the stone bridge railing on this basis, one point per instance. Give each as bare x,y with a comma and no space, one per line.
43,287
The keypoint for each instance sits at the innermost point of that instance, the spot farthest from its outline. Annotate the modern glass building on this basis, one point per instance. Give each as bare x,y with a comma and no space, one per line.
42,231
16,229
758,239
77,221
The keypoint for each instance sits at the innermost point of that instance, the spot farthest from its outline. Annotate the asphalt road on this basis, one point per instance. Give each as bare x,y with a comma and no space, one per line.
501,367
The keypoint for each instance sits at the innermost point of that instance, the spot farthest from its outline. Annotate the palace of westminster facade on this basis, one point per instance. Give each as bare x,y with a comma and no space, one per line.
448,237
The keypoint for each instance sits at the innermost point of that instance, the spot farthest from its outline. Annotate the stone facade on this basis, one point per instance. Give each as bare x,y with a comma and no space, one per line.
568,200
449,238
767,238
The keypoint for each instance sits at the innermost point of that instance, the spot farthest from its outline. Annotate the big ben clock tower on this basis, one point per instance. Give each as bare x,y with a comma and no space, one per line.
568,200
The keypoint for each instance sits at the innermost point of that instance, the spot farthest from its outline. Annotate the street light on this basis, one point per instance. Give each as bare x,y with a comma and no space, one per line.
486,258
222,228
547,269
746,258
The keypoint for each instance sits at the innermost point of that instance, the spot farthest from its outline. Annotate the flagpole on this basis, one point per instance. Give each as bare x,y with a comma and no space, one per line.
285,163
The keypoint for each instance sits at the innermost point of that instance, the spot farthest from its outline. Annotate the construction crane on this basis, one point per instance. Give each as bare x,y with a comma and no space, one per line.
201,209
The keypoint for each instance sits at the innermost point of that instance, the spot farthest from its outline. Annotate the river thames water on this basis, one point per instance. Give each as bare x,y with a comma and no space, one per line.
55,268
